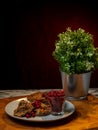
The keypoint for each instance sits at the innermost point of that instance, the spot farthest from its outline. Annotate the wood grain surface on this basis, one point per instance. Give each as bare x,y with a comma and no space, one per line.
85,117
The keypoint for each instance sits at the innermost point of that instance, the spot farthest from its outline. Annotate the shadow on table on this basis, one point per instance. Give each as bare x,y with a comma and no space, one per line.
95,128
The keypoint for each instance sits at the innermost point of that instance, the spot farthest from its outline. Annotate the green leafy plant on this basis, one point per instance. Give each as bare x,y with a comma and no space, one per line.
75,51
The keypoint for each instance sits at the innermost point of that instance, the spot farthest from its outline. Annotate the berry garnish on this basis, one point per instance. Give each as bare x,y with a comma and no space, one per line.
37,104
28,115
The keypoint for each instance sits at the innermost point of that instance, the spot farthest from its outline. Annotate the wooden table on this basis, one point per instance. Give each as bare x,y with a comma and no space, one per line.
84,118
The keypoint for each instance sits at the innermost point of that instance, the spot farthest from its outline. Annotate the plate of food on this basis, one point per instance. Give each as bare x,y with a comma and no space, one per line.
36,108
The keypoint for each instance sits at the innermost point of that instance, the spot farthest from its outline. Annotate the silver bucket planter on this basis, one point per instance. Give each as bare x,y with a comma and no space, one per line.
76,86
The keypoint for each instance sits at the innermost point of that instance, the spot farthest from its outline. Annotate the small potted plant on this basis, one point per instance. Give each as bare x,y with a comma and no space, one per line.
77,57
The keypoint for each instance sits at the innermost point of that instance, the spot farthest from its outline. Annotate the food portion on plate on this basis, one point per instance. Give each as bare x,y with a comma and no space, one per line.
36,104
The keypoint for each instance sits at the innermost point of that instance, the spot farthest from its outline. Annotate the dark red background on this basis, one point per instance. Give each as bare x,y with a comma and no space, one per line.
30,33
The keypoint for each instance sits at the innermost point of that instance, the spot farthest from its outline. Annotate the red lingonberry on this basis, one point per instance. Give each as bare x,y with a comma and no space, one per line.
33,114
28,115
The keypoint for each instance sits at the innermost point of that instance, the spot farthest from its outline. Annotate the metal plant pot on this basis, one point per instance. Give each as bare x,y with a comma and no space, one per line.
76,86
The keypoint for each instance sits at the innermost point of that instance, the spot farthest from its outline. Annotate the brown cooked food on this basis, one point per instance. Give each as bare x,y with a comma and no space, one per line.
36,103
45,108
36,96
23,108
